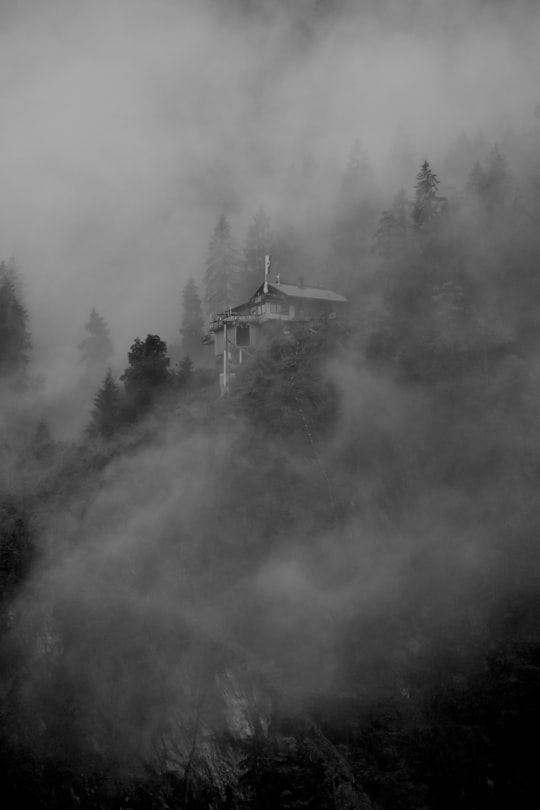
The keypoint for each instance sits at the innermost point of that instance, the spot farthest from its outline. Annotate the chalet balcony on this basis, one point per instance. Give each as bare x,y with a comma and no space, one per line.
233,318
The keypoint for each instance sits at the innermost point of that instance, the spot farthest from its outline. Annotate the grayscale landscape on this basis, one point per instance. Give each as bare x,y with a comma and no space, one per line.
269,404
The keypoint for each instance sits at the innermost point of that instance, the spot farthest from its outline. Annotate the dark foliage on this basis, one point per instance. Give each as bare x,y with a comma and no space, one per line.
428,204
16,547
147,374
106,411
192,327
14,336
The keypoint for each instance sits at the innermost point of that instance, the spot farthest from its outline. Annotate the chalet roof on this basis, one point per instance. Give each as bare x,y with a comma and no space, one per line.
295,291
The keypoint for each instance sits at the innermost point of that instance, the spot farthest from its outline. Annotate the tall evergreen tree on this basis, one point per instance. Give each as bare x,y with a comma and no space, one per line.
428,204
222,268
105,413
192,320
258,244
391,235
96,349
14,336
148,370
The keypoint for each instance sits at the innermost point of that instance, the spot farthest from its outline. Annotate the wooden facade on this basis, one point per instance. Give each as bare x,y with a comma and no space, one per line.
238,331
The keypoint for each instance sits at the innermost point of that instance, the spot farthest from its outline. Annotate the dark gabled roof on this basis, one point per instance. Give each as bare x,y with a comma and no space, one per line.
295,291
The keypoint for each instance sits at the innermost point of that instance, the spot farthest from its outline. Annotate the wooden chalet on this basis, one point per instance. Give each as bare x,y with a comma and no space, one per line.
237,331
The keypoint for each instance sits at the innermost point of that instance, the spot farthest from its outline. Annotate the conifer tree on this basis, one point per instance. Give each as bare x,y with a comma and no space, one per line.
148,370
428,204
391,235
222,268
14,336
96,349
258,244
105,413
192,320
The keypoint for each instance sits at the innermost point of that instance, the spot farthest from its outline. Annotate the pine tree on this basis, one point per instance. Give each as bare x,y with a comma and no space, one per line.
96,349
428,205
258,244
391,235
148,370
222,267
105,413
192,320
14,336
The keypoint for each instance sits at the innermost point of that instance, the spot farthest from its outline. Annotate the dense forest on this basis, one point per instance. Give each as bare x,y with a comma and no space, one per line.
322,589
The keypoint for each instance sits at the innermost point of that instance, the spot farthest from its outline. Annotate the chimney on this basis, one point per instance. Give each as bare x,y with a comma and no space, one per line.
267,263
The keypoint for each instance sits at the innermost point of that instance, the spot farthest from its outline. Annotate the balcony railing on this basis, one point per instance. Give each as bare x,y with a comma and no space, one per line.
231,319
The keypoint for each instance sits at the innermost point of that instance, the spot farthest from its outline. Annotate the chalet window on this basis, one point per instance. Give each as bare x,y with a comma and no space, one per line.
242,335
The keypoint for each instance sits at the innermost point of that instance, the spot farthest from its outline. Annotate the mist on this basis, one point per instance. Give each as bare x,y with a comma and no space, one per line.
129,129
272,567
